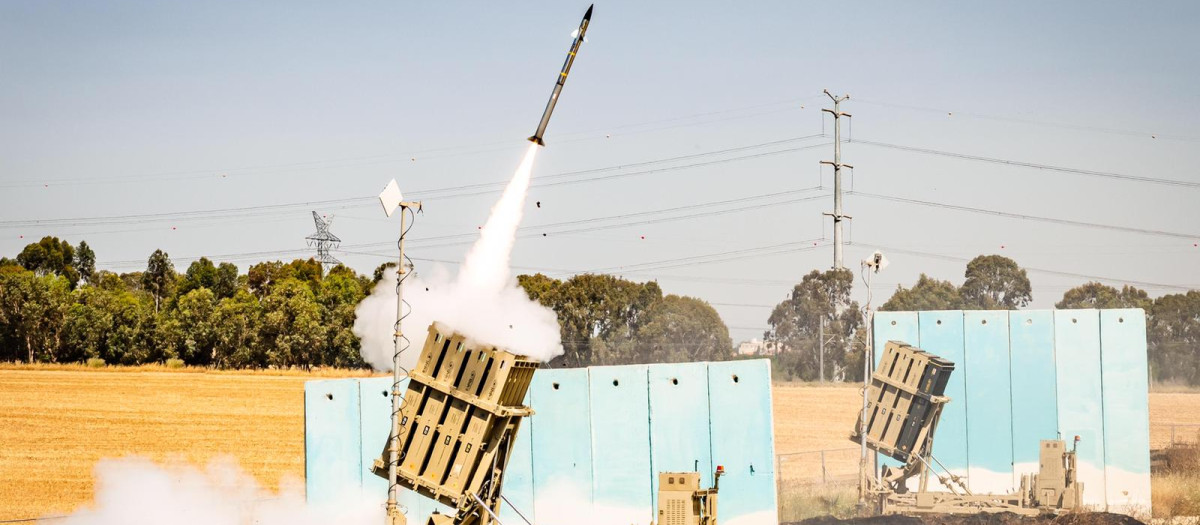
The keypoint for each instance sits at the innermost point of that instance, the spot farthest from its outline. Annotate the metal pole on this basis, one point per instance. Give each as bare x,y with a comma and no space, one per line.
862,422
837,214
837,185
821,336
393,515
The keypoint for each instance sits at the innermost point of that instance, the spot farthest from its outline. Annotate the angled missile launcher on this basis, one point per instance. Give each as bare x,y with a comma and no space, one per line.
903,400
904,404
459,418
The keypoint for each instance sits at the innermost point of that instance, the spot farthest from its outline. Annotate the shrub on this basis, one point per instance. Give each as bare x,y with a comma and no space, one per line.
95,362
174,363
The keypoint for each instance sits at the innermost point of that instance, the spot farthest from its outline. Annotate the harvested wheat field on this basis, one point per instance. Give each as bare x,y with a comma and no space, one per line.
56,423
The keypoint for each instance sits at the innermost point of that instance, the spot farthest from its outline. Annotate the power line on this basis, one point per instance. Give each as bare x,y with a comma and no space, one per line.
1022,164
291,167
555,228
450,192
1026,217
1143,284
1061,125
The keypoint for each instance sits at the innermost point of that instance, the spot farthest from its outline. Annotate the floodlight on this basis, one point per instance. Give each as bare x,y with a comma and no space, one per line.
391,198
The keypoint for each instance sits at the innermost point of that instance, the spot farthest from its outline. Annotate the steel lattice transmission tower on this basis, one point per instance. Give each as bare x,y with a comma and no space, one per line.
324,241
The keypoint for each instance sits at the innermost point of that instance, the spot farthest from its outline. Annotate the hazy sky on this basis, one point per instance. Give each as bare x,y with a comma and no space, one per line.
116,118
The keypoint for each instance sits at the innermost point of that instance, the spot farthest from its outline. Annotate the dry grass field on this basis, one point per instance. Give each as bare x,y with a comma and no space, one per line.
57,422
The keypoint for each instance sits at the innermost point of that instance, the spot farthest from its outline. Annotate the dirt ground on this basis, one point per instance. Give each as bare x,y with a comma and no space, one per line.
55,424
1004,518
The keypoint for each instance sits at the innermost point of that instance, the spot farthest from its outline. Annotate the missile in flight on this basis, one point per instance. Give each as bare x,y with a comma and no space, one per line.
562,77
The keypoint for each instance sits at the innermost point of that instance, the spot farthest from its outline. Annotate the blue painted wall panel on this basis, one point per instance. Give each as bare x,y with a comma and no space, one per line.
602,441
620,419
988,402
1034,391
1126,409
562,444
333,457
518,476
738,414
941,333
679,426
1080,391
374,395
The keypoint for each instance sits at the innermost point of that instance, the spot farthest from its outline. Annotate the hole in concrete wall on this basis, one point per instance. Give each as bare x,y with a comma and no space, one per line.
893,323
385,393
615,382
674,381
939,321
983,321
735,378
1029,321
329,397
555,385
1120,319
1074,320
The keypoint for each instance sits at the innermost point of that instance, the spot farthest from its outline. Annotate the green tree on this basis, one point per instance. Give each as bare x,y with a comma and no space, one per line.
995,282
50,256
1096,295
819,305
683,329
339,293
86,325
202,273
31,312
85,262
1173,331
594,307
264,275
238,324
159,277
196,313
226,283
292,330
927,294
132,314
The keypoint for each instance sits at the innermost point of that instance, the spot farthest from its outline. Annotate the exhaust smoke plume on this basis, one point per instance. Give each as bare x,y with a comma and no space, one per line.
483,302
136,491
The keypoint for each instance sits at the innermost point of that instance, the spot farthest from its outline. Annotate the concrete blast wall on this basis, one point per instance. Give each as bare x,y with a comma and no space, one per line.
592,451
1023,376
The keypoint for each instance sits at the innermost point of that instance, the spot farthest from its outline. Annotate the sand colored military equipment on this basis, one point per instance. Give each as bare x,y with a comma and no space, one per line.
458,421
681,501
904,403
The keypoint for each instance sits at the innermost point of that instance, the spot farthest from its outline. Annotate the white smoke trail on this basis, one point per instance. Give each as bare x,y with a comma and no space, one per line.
136,491
483,302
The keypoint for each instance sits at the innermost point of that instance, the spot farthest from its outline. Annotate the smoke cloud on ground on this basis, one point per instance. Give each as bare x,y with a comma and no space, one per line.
482,302
136,491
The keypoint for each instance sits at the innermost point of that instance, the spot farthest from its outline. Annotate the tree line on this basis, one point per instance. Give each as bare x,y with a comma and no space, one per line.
820,305
55,307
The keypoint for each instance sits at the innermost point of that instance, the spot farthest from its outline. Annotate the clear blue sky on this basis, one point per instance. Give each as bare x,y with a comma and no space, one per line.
132,109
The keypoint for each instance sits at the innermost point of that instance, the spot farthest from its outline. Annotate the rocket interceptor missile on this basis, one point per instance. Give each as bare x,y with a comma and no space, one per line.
562,77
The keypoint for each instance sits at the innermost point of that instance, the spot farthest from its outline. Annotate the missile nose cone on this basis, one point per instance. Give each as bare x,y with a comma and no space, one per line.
588,14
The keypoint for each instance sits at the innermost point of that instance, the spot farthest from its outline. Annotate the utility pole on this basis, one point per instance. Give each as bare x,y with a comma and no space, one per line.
821,337
837,214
